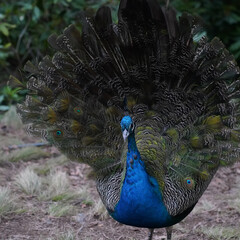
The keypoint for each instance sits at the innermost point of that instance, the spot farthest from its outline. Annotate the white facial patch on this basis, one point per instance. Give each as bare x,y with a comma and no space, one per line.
125,134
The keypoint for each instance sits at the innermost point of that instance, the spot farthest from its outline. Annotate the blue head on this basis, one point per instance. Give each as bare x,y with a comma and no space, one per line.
127,126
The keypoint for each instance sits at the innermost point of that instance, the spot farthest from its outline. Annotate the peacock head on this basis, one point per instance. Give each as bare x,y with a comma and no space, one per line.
127,126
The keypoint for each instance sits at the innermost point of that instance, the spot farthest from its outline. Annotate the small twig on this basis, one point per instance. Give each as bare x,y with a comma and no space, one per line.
167,3
105,236
22,34
79,230
29,51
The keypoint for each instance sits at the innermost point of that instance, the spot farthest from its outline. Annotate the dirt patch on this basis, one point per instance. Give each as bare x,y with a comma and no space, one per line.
216,216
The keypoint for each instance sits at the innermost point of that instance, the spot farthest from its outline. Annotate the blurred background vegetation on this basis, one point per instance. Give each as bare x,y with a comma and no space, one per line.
26,24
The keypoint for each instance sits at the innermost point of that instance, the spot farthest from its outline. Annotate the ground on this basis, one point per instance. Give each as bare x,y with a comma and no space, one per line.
43,195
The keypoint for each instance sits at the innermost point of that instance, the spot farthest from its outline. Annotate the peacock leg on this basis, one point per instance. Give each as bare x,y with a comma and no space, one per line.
150,233
169,232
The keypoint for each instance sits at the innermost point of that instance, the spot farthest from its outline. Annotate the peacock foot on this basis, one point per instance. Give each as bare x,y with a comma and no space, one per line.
151,230
169,232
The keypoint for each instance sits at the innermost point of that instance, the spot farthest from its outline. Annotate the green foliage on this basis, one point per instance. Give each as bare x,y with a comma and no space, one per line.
28,182
26,154
25,26
220,233
221,19
10,119
7,201
60,210
9,96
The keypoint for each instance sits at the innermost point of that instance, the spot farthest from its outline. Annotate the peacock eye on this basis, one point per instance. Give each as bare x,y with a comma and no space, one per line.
132,127
78,110
58,133
189,183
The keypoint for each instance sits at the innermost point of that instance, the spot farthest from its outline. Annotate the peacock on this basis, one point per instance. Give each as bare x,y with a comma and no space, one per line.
148,102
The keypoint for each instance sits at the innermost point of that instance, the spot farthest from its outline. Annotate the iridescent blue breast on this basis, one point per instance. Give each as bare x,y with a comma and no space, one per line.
141,203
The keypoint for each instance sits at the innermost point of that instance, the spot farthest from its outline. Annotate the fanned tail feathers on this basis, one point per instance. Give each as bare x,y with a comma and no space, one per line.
183,95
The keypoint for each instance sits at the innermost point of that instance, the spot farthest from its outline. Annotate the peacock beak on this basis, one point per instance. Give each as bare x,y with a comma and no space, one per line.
125,134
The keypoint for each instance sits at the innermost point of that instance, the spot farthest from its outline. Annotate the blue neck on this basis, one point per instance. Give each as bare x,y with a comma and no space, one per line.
140,201
132,143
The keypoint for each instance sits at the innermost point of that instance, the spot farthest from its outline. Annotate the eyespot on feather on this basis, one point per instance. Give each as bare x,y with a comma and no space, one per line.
204,175
52,116
189,183
78,110
64,103
213,122
76,126
58,133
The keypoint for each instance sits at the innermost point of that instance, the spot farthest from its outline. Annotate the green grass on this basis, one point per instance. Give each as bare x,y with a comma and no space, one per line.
7,201
59,191
236,203
85,196
68,235
57,187
60,209
11,119
52,163
220,233
204,206
8,140
54,189
58,183
26,154
28,182
99,210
